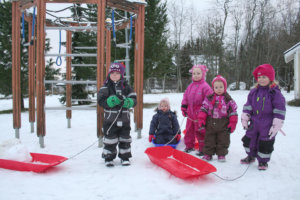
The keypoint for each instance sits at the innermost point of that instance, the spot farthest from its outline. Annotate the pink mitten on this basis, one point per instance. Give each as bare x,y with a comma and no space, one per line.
202,119
245,119
232,123
151,137
276,126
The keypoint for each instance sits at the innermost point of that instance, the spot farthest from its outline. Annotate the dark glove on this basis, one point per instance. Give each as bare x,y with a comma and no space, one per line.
112,101
128,103
184,110
151,137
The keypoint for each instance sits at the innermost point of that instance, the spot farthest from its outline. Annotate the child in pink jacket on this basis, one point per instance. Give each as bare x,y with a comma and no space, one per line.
190,107
219,116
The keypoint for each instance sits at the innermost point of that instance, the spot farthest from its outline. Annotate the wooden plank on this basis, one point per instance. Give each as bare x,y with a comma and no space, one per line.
72,1
69,75
16,67
100,59
31,74
41,15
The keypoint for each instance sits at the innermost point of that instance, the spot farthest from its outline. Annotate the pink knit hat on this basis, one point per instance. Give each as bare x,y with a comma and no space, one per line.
203,68
220,78
166,101
264,70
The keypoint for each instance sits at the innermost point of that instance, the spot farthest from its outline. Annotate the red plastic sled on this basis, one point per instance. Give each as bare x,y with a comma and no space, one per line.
178,163
39,163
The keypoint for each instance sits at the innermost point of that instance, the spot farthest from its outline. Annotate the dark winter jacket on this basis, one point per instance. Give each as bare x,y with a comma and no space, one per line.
164,123
266,103
122,90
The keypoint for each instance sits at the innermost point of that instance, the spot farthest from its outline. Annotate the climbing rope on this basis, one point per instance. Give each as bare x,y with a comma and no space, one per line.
58,59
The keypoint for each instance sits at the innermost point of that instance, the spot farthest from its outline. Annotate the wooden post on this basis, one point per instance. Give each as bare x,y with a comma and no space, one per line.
136,75
108,49
140,68
16,67
69,77
100,62
31,77
40,68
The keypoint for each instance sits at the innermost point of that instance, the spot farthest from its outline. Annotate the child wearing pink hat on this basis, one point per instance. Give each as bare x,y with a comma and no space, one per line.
219,116
190,107
265,111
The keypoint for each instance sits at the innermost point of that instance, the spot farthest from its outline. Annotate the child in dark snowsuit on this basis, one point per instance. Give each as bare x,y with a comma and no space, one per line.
116,97
164,127
219,114
265,109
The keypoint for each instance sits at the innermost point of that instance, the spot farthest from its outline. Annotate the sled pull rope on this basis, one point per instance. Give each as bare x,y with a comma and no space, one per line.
232,179
176,133
58,59
97,139
83,150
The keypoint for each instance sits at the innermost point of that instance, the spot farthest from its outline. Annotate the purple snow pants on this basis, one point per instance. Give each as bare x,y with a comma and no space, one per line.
256,141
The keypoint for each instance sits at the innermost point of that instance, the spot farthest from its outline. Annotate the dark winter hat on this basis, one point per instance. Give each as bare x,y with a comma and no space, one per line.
264,70
220,78
117,67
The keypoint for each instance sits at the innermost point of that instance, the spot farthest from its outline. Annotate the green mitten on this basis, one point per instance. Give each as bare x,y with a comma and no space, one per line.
112,101
128,103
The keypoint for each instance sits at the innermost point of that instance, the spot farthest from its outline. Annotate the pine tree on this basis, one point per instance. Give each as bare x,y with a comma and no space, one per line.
6,54
157,54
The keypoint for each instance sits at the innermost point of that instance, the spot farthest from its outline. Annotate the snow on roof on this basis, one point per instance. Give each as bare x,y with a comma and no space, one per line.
289,54
138,1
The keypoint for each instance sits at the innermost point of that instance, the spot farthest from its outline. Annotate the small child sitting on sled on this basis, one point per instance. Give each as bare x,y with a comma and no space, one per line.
164,127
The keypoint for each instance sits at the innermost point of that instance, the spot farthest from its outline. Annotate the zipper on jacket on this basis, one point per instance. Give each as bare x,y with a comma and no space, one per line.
263,104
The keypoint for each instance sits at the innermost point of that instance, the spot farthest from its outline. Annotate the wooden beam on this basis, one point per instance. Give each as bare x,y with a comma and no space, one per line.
72,1
123,5
41,16
100,59
16,65
25,4
31,74
69,75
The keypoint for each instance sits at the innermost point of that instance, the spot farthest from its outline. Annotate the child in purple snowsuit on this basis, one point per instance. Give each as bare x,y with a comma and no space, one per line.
219,115
190,107
265,109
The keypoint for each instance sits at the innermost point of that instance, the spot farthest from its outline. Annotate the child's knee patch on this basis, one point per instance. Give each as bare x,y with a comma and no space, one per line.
246,141
266,147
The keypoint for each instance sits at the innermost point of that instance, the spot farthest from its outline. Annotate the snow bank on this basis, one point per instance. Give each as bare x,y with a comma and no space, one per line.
13,149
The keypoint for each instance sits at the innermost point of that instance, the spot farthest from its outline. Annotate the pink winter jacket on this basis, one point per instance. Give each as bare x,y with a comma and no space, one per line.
193,97
225,106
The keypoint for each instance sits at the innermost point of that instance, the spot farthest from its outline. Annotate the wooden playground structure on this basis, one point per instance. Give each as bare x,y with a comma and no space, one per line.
36,57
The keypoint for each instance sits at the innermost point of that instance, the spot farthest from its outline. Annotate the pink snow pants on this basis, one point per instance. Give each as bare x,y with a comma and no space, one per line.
192,132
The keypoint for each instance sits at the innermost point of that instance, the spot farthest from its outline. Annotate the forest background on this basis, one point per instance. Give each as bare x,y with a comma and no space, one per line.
231,37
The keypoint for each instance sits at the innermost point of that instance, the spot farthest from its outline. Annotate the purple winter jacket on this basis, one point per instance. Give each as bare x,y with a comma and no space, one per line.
194,96
265,103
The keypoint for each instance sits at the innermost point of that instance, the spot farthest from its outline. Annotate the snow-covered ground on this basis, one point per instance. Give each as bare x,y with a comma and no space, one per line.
86,177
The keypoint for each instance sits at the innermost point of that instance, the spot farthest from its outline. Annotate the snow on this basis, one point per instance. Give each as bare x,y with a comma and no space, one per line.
85,176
